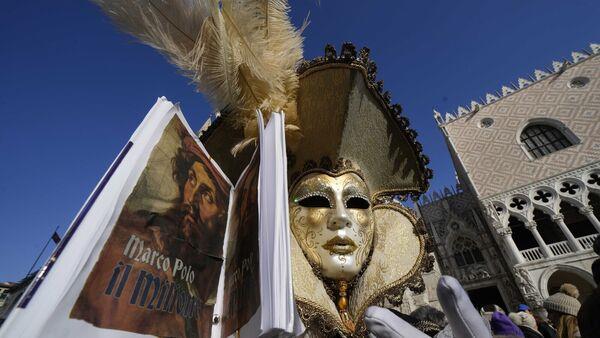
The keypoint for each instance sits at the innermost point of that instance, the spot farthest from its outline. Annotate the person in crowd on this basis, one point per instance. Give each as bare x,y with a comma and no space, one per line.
488,310
525,321
541,318
589,314
563,307
432,320
503,327
523,308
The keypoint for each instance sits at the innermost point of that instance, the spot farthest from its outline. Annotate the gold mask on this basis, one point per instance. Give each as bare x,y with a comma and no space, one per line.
332,221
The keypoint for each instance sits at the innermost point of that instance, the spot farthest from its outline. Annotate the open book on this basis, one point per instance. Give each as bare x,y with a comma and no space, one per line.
167,246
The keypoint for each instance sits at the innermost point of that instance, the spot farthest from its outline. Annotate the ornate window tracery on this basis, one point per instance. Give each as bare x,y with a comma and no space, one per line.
594,179
466,252
518,203
540,140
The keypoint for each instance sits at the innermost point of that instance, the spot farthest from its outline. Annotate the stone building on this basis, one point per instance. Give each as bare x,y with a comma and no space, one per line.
10,293
465,248
527,160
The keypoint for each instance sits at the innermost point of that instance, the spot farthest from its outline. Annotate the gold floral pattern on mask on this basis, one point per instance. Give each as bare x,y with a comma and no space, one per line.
396,262
332,221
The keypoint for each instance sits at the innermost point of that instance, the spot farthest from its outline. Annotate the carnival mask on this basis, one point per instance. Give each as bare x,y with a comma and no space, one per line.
332,221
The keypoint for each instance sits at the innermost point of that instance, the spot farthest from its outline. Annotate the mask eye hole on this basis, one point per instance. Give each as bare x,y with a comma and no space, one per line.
315,202
357,203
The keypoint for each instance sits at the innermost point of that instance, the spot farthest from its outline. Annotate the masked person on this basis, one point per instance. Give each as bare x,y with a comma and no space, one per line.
352,247
350,151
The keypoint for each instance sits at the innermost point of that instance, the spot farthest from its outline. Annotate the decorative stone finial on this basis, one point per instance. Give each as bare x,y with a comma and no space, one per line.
206,125
558,67
507,90
523,82
540,74
578,56
462,111
489,98
438,117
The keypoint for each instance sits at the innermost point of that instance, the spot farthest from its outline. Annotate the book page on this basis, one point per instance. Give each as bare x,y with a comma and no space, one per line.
241,296
158,271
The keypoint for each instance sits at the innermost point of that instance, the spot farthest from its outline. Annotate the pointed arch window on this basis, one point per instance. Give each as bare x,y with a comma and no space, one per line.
466,252
541,139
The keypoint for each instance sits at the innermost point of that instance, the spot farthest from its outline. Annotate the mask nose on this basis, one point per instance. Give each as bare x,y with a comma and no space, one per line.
340,219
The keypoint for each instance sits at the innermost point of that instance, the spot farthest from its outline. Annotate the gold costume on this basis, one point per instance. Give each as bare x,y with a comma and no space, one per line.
353,246
350,151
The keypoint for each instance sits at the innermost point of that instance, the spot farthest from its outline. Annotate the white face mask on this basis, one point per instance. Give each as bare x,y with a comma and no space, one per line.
332,221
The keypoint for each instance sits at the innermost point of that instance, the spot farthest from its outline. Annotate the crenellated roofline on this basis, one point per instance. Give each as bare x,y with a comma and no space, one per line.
558,67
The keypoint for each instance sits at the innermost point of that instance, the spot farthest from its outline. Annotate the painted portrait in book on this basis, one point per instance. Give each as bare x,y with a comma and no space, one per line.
159,270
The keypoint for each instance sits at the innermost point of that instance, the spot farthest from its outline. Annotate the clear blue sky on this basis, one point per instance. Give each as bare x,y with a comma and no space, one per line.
73,88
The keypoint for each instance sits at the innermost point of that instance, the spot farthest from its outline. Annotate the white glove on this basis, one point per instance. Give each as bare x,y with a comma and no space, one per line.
383,323
464,319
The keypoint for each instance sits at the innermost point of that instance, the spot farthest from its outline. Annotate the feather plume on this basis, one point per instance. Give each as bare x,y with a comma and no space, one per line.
242,145
241,54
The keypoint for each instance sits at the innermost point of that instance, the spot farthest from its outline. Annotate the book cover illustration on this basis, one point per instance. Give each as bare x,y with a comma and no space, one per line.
158,272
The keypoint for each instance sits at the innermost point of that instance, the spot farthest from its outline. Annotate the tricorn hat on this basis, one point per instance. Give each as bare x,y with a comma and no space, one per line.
344,116
348,123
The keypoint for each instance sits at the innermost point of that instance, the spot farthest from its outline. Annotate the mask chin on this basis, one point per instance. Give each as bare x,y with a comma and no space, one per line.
340,268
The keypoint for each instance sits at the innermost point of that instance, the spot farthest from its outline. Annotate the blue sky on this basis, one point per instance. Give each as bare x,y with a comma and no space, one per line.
73,88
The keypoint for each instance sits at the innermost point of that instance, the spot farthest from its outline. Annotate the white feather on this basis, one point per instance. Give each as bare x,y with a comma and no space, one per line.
242,54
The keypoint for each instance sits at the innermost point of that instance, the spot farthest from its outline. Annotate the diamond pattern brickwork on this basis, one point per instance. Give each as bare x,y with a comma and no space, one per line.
495,161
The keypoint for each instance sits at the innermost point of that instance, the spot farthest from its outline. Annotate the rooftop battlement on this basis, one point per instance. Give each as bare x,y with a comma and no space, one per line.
438,195
558,67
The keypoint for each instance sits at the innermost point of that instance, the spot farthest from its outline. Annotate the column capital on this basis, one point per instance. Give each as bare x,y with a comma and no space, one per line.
558,217
504,231
586,210
531,225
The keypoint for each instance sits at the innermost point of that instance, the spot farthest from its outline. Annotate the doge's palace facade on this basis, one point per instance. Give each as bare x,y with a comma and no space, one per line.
528,162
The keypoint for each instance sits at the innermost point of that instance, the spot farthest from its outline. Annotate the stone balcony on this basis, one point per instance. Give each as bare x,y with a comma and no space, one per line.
558,249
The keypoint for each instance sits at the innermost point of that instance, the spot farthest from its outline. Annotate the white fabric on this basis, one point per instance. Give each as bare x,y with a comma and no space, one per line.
278,313
383,323
218,308
465,320
47,314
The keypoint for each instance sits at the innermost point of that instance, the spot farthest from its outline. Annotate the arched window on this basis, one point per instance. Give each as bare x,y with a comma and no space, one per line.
466,252
542,139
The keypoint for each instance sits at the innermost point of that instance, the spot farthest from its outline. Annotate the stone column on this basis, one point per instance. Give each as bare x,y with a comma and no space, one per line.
510,245
532,227
589,213
573,243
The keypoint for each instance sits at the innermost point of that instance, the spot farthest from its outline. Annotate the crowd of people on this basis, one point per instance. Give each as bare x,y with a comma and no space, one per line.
561,316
